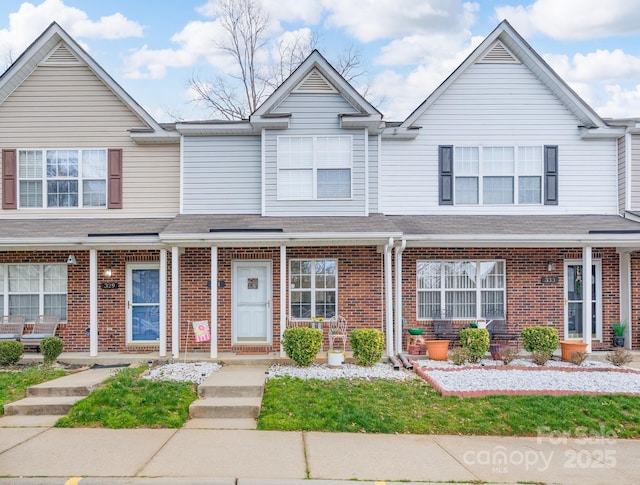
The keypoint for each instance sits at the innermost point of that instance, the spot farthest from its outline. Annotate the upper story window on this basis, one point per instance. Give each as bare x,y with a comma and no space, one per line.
62,178
498,175
314,167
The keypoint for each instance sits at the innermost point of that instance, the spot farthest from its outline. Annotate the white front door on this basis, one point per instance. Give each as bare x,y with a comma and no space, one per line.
252,314
143,303
574,327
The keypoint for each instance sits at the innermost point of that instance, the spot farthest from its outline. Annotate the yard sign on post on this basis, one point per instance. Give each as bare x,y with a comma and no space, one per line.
201,331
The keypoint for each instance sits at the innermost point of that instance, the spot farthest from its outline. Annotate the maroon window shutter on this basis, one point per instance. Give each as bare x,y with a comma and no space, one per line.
114,189
9,180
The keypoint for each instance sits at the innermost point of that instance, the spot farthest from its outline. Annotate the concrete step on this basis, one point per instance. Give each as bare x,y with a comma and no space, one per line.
229,407
37,406
205,391
77,384
218,423
234,381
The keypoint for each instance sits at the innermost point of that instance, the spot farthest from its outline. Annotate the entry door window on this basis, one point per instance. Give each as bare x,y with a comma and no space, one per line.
144,304
574,291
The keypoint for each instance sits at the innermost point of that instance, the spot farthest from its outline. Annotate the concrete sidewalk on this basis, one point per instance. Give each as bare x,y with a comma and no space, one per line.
272,457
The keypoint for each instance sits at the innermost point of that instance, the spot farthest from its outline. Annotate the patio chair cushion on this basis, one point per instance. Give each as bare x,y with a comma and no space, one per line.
34,336
10,336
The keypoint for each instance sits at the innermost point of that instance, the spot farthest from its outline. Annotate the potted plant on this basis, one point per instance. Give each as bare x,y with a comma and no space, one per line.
619,330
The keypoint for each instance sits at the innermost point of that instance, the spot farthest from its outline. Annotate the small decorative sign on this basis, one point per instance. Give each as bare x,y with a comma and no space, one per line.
550,279
112,285
201,331
252,283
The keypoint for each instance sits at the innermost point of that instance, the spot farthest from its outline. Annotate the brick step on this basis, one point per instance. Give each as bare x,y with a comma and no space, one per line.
229,407
40,406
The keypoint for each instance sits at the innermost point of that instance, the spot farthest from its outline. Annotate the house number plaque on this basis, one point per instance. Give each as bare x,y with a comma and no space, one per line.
109,286
550,279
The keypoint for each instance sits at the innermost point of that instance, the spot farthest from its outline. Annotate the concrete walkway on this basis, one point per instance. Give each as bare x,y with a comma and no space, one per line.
40,454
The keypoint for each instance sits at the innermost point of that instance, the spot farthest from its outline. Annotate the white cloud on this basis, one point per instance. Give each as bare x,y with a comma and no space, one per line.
601,66
620,102
307,11
370,20
30,21
571,21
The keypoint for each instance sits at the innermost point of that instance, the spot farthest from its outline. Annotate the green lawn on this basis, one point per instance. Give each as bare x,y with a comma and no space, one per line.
415,407
14,382
127,401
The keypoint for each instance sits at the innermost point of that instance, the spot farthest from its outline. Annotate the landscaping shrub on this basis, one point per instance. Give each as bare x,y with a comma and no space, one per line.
459,355
10,352
508,354
51,348
367,345
620,357
476,341
578,357
540,357
540,339
302,344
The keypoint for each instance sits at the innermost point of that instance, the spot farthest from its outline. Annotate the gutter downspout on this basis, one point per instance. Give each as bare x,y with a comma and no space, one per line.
388,296
398,296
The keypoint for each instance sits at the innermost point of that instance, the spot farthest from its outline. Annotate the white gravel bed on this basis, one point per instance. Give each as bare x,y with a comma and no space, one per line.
184,372
487,379
346,371
587,364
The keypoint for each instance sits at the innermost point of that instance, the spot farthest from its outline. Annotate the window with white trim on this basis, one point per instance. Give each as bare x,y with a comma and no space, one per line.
314,167
460,289
313,288
62,178
33,289
501,175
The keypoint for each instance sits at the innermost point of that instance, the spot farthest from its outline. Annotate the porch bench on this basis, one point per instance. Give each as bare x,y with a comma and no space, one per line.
11,327
44,326
444,330
499,332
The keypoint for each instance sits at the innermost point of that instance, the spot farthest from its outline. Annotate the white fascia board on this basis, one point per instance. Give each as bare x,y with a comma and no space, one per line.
601,133
278,239
399,132
204,129
372,123
165,138
612,239
83,243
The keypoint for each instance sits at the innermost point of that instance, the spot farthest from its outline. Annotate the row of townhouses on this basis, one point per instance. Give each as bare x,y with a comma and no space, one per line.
502,193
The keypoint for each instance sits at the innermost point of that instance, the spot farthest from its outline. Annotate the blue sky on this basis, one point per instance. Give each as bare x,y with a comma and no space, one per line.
408,47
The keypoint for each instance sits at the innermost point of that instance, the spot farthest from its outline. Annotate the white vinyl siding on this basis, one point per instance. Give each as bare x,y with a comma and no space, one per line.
314,167
221,175
68,106
635,172
498,105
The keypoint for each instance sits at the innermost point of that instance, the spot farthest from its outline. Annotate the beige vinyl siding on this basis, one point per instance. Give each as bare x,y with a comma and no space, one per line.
635,172
69,107
499,105
316,115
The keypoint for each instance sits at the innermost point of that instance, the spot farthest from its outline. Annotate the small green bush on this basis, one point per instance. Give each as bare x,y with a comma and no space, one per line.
540,339
476,341
302,344
367,345
51,348
10,352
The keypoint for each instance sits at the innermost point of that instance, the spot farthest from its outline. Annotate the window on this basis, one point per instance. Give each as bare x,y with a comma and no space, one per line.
462,289
314,167
62,178
313,287
498,175
34,289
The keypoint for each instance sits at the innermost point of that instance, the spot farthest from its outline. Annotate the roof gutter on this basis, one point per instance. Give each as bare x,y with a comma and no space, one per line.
612,238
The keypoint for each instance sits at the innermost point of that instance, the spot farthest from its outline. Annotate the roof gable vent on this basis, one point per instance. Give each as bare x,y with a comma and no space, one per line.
61,56
499,54
314,82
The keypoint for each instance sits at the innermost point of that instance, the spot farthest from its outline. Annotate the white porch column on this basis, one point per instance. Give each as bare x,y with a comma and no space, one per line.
163,303
283,294
388,293
175,302
398,296
587,281
625,293
214,302
93,303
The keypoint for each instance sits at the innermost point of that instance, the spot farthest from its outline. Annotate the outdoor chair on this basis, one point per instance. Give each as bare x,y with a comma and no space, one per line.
11,327
338,331
443,326
44,326
498,329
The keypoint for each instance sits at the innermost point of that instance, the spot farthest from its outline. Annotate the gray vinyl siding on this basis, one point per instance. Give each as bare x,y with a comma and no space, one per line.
221,175
635,172
499,105
622,183
70,107
315,114
373,174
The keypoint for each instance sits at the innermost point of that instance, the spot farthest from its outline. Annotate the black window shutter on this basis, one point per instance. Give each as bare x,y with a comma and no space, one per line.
445,168
551,175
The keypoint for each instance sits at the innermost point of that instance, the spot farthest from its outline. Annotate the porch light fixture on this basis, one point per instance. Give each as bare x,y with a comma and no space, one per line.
71,259
107,272
551,266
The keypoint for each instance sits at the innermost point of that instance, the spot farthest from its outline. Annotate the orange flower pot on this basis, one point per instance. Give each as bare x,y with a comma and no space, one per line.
437,349
567,347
